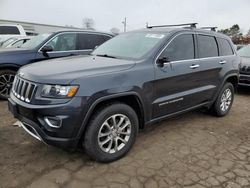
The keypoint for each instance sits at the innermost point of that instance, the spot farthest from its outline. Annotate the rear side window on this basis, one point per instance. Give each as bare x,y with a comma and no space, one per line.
225,48
9,30
181,48
207,46
90,41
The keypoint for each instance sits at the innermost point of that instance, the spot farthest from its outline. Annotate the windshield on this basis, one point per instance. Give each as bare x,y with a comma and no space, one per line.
245,51
7,42
36,41
129,45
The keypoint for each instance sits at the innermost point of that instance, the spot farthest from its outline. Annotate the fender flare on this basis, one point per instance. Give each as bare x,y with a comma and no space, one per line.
223,83
9,66
105,98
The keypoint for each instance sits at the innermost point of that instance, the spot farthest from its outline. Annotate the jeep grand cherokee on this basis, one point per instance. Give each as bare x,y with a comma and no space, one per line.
133,80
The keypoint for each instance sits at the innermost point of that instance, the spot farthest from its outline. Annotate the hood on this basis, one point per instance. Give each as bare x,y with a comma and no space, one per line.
64,70
17,56
14,51
245,61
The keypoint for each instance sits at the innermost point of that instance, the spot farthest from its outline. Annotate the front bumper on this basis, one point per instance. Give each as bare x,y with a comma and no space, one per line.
244,80
31,118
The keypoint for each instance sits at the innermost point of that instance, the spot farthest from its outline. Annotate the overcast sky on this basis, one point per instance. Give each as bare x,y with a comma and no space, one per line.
110,13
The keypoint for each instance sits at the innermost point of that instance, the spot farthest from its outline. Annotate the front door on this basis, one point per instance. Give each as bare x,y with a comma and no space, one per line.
179,82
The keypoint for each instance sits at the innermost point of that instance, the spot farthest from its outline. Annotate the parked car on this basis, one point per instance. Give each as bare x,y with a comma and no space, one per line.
239,46
135,79
46,46
245,66
8,30
15,42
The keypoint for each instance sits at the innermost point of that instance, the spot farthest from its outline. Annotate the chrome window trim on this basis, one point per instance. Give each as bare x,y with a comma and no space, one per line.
39,51
186,60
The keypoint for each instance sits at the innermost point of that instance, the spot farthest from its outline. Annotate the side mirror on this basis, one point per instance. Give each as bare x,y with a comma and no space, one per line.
160,62
46,49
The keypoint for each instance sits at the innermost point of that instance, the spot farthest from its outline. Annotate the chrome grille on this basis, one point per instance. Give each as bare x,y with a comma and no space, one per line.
245,70
23,89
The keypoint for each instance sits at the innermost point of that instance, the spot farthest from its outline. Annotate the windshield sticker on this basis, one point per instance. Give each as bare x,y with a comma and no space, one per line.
157,36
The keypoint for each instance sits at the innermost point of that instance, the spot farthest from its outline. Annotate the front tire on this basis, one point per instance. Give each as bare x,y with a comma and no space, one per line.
111,132
6,81
224,101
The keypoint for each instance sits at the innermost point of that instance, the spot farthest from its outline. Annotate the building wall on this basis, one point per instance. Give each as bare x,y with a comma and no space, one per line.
37,28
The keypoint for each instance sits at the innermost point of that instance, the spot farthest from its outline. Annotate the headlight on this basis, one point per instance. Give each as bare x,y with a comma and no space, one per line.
57,91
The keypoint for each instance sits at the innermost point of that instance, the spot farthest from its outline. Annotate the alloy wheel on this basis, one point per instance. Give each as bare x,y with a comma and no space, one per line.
114,133
226,100
6,82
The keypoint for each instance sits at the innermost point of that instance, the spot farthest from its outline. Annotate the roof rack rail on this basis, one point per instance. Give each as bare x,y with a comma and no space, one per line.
192,25
211,28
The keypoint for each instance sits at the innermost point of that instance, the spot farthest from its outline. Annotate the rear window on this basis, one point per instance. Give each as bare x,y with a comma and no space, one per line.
207,46
9,30
225,48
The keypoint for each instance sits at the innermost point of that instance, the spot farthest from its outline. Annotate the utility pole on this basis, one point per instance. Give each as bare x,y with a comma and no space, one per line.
124,24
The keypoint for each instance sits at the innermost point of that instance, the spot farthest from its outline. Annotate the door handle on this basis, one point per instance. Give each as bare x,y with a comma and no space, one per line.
194,66
223,62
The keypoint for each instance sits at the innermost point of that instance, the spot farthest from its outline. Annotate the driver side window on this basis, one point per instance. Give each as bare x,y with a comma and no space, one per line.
181,48
63,42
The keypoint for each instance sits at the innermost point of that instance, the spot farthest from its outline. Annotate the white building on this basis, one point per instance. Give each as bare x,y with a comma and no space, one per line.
36,28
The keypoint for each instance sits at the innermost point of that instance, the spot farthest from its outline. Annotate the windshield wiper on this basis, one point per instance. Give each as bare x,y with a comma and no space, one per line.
106,55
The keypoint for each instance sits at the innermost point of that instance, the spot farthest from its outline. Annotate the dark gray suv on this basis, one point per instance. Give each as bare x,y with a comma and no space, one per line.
135,79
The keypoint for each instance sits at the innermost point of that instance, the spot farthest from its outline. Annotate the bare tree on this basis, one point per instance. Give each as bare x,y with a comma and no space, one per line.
88,23
115,30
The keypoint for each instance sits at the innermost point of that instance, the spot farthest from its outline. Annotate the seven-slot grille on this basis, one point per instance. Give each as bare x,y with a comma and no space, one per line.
23,89
245,70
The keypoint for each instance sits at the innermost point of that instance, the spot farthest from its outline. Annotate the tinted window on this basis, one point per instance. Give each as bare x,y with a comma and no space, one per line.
224,47
90,41
181,48
9,30
63,42
207,46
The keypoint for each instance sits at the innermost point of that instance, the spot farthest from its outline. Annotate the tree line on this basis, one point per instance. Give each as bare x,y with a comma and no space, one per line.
236,35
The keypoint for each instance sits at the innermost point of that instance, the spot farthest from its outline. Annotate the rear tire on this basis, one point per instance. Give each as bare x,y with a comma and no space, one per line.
224,101
111,132
6,81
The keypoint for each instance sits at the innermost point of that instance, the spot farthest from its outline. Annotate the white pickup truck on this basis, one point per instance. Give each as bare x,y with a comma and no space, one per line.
8,31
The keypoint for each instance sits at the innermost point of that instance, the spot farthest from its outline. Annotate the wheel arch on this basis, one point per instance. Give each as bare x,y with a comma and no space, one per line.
132,99
231,78
9,66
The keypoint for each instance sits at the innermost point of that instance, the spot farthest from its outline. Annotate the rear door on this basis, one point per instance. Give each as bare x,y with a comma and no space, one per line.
62,45
227,55
210,63
87,42
179,83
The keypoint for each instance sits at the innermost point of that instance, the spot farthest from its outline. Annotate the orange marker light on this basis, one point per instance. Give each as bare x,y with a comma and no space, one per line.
72,91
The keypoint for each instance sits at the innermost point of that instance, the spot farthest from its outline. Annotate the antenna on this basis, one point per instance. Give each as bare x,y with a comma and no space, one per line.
192,25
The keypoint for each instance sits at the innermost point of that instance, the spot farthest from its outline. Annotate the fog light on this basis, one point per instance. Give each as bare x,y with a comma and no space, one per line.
53,122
